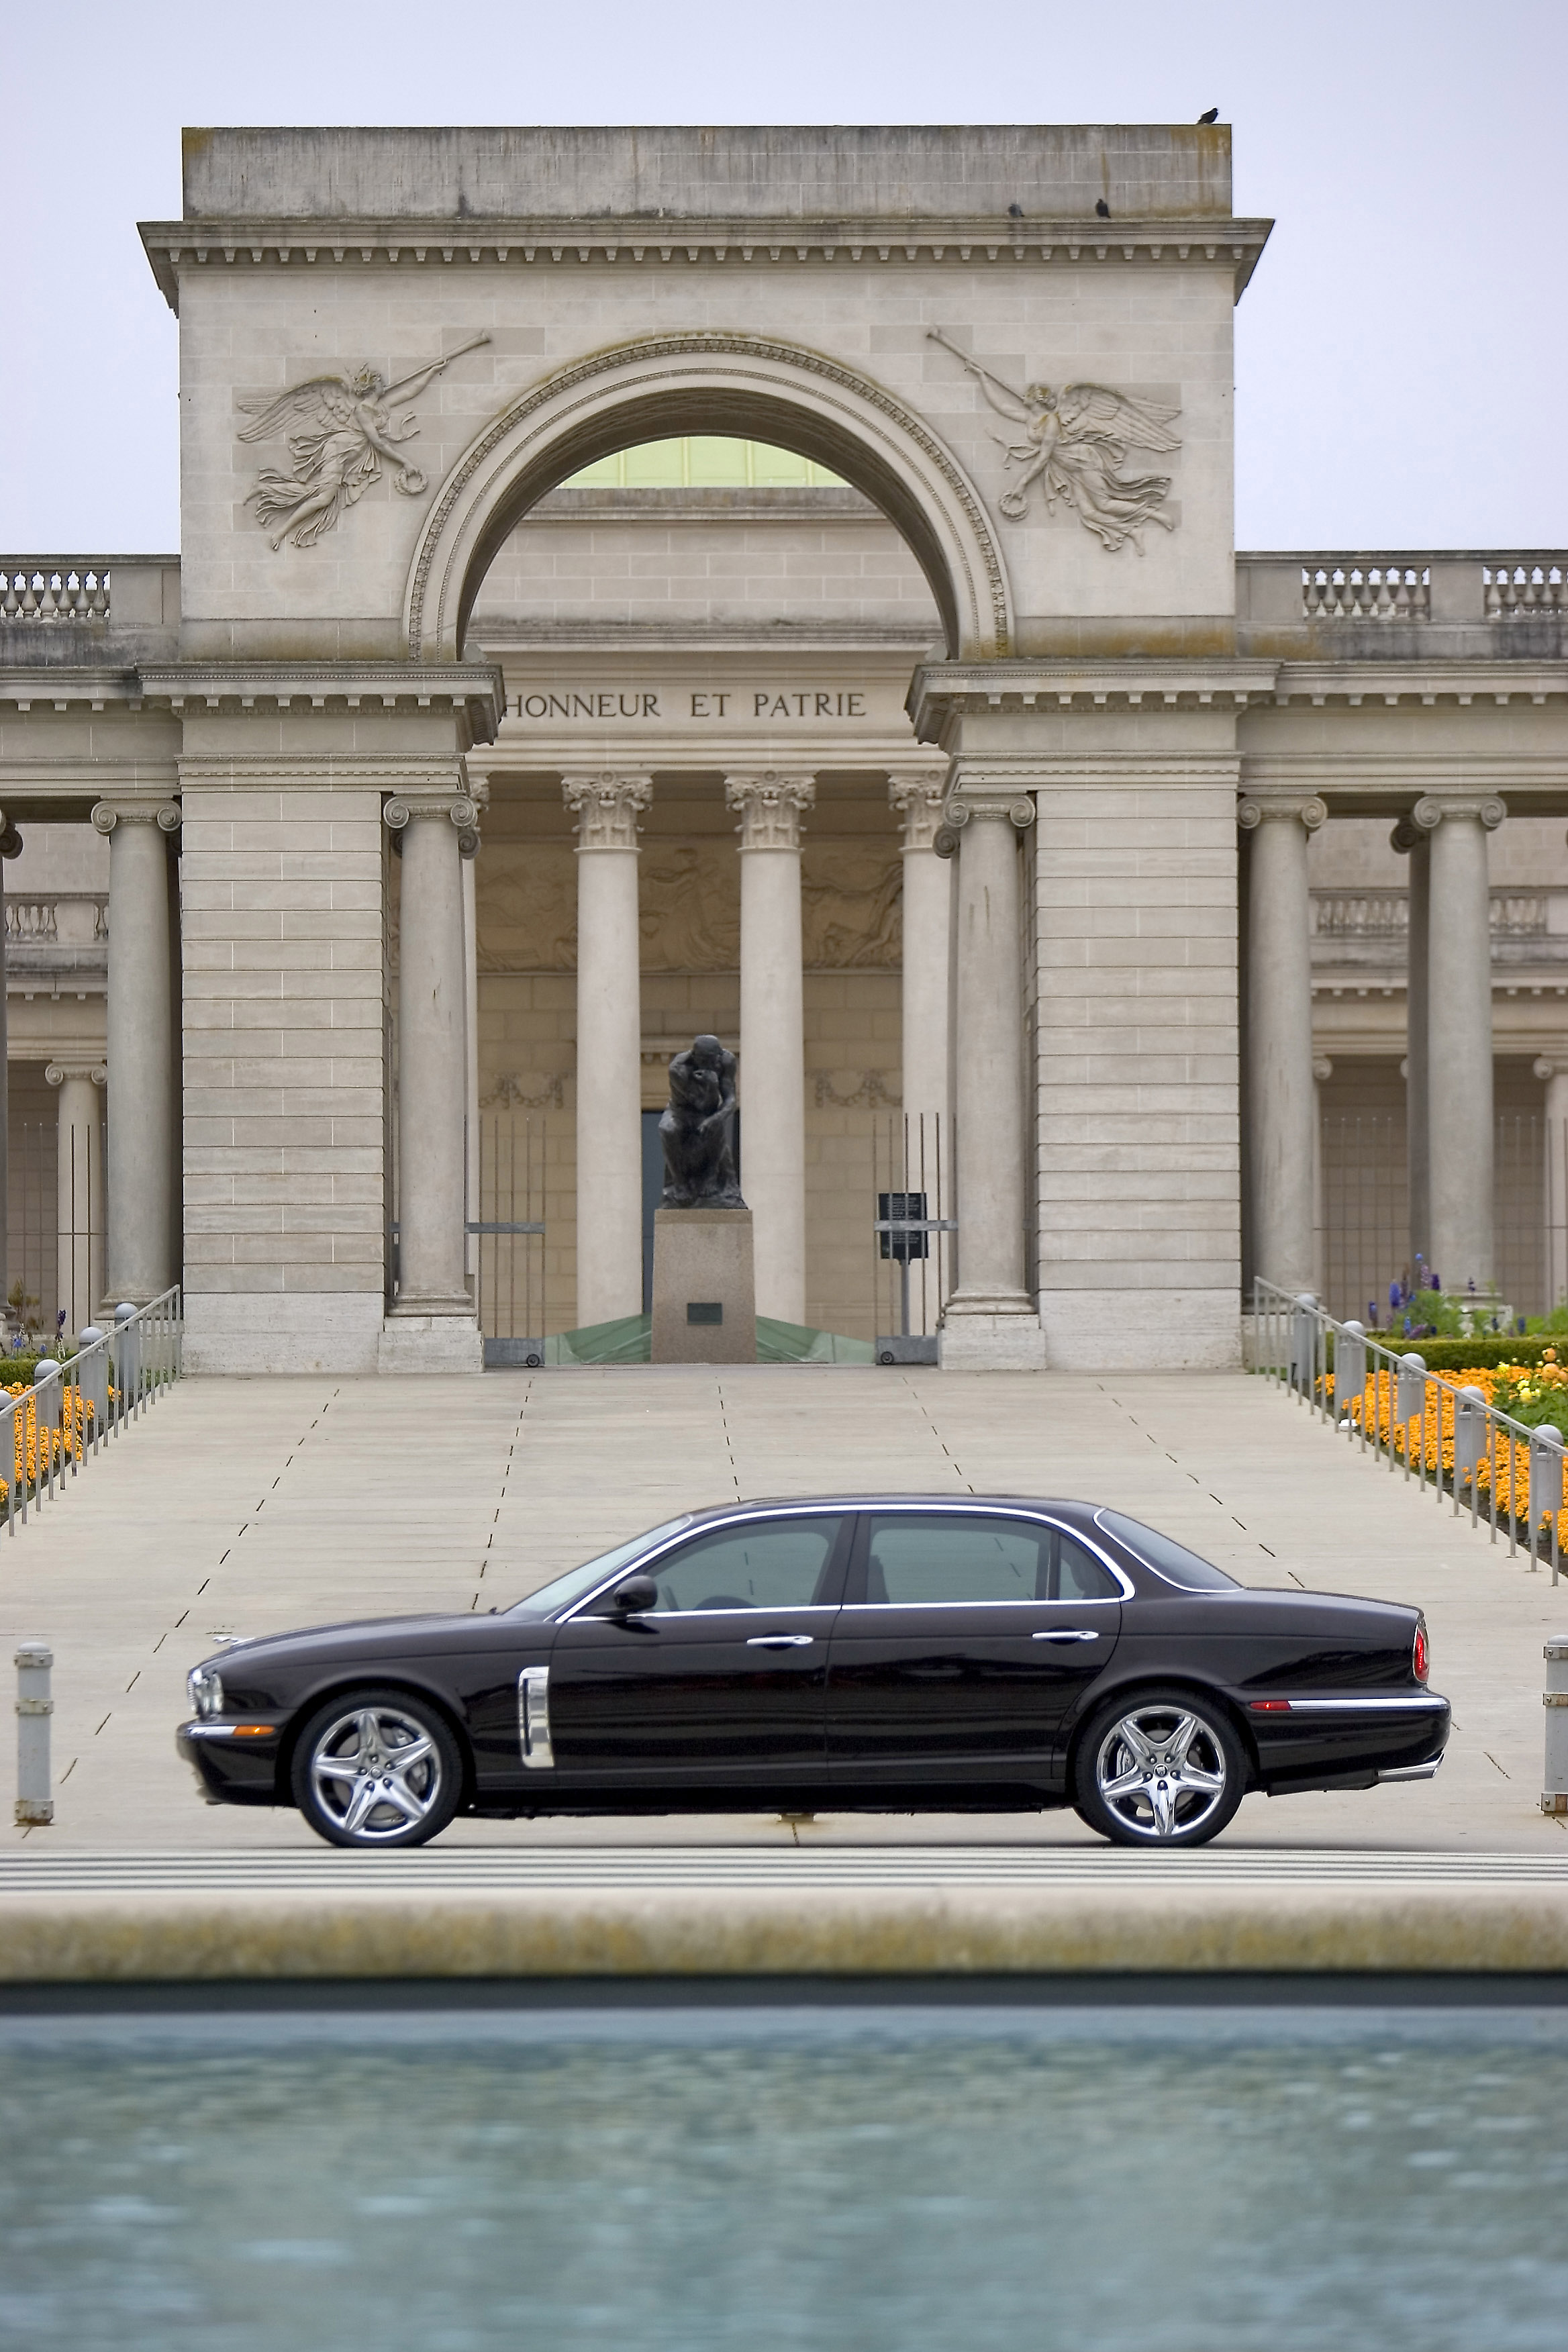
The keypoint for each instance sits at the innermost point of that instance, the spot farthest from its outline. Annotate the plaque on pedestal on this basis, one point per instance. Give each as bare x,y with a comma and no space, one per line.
704,1292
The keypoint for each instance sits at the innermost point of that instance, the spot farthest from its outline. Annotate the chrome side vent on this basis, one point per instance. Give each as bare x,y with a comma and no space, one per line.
533,1719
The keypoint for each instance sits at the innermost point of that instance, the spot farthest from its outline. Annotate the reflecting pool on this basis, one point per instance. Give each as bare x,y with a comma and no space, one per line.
868,2182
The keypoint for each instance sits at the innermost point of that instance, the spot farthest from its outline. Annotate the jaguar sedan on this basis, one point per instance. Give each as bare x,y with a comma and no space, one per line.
877,1654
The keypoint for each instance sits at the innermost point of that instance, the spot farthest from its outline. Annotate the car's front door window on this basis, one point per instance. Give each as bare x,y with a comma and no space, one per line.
766,1564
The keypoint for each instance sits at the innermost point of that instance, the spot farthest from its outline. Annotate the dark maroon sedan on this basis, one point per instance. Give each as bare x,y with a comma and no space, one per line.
892,1654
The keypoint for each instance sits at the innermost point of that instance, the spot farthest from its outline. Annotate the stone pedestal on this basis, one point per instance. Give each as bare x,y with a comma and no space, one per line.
702,1260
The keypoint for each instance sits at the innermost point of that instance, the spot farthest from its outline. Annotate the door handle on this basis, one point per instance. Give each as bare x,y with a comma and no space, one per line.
779,1640
1065,1637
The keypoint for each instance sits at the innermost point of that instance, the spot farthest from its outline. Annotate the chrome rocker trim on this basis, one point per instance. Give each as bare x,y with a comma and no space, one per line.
533,1719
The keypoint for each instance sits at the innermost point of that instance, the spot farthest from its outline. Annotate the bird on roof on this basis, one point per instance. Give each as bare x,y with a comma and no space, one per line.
1212,116
1102,208
1015,212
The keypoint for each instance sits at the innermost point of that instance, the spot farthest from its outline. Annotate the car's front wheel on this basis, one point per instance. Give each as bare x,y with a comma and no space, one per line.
377,1768
1159,1768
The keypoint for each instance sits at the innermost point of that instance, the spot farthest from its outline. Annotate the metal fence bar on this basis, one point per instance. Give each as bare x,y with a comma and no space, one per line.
73,1407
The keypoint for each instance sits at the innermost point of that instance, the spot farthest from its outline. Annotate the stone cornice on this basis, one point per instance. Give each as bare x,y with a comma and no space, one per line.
1491,684
944,686
476,687
871,240
392,771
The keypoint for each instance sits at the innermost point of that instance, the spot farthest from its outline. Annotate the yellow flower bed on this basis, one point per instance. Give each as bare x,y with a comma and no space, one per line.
1426,1441
38,1449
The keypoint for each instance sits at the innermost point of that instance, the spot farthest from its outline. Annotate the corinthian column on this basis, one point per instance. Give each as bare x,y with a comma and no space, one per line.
773,1032
1409,840
609,1035
435,826
141,1057
1281,1101
990,1323
917,795
1459,1036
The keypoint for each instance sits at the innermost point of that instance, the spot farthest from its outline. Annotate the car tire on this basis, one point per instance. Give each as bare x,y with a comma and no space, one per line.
355,1782
1159,1768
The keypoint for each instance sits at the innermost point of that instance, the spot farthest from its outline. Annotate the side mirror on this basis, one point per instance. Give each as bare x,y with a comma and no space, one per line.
633,1595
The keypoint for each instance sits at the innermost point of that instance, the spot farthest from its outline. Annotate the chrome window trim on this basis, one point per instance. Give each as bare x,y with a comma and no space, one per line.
742,1518
1232,1584
1105,1601
533,1719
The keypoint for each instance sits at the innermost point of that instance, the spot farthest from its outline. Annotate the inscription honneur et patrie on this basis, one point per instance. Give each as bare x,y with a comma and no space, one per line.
730,704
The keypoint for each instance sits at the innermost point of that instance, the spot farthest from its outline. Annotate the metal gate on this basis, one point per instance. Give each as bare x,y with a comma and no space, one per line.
508,1238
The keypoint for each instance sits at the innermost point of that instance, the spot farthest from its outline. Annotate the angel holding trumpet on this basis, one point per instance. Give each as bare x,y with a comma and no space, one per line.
1076,443
339,429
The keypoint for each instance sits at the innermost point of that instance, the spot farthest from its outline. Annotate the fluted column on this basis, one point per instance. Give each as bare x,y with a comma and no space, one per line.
609,1037
1281,1103
434,825
917,795
78,1186
1410,841
773,1032
141,1055
1459,1036
990,1322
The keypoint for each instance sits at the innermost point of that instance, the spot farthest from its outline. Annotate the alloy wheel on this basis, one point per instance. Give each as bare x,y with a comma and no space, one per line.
375,1773
1162,1771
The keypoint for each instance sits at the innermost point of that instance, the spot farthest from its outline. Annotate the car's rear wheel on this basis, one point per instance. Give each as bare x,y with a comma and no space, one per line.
377,1768
1159,1768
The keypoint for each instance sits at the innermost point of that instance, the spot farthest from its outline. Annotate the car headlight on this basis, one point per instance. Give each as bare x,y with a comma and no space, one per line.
204,1685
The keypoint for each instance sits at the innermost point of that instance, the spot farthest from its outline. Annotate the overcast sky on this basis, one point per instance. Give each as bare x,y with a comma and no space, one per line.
1400,353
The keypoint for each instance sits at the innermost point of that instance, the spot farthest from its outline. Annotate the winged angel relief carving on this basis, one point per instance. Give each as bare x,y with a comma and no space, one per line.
1076,443
339,428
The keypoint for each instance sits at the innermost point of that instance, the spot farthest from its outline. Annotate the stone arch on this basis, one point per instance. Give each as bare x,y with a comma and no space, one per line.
753,387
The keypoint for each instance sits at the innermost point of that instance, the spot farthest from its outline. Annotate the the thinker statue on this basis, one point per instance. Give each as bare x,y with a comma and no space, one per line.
698,1130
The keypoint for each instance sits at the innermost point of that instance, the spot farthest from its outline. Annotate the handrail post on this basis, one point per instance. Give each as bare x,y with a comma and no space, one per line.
1554,1796
34,1800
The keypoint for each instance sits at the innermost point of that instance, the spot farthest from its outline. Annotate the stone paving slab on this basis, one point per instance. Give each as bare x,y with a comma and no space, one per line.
256,1505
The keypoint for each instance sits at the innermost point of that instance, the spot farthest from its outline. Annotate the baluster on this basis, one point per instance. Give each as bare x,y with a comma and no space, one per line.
1493,600
79,605
101,595
30,583
12,602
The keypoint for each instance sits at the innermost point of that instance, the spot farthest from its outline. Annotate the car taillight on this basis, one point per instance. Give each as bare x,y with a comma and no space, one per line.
1420,1655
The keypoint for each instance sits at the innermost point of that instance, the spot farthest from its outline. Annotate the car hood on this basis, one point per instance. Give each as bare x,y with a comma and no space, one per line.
375,1636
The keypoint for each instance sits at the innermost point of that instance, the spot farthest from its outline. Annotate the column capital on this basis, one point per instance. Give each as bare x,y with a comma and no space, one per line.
1405,837
56,1073
1306,808
164,814
771,805
460,807
606,805
1323,1068
1432,807
916,794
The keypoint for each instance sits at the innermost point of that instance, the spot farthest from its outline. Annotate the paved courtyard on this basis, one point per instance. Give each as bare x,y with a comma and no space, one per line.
256,1504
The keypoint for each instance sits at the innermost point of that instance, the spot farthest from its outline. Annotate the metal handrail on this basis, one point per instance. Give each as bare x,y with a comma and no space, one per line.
1293,1339
77,1405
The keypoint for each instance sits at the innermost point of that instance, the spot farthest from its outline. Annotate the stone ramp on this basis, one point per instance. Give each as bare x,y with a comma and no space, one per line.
737,1912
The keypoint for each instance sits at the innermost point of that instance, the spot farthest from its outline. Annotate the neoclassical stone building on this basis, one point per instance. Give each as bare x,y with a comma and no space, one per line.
780,583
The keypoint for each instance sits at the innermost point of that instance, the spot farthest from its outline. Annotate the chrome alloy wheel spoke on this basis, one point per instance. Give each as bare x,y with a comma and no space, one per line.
1149,1761
357,1782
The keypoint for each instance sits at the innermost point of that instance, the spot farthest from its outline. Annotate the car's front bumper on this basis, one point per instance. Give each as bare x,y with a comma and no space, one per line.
231,1769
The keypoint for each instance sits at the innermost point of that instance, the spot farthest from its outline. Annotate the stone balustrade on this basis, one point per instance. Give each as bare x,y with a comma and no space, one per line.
1516,587
1357,589
45,593
64,918
1383,916
58,609
1290,598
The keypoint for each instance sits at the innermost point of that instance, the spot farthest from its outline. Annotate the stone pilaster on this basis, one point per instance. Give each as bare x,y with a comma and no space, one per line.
916,794
432,1325
772,1031
606,805
1281,1102
1552,1071
1409,840
990,1322
142,1252
79,1163
1459,1036
10,846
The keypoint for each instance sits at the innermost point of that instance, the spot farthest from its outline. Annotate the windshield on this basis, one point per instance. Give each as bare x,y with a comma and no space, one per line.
562,1590
1167,1558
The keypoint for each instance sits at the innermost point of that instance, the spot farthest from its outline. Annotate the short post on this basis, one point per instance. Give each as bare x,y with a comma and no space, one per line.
1350,1370
1410,1399
91,1373
1303,1343
1545,1488
127,1360
1470,1443
48,1403
1554,1797
35,1803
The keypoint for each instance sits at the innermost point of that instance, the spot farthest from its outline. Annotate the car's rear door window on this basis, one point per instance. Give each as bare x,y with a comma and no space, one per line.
928,1559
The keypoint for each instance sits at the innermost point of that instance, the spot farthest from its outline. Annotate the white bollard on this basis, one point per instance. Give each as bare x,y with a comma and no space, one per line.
127,1360
35,1803
91,1375
1555,1798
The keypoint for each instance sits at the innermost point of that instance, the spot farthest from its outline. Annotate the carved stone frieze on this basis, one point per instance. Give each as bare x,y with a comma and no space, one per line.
339,428
870,1091
515,1090
1075,442
770,806
606,806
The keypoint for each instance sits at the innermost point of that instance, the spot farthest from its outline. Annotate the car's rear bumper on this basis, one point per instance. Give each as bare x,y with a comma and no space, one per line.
1353,1740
